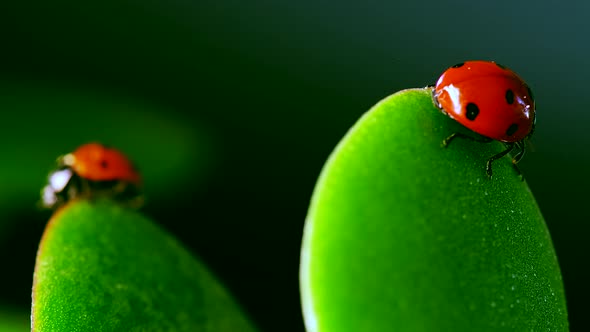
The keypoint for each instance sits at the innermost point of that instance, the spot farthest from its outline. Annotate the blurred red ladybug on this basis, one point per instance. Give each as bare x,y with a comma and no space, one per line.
491,100
92,171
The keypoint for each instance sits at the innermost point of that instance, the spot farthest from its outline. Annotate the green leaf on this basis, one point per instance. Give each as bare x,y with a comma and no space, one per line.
405,235
101,267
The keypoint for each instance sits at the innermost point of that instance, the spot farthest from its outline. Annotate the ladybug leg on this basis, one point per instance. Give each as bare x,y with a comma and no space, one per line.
451,137
76,187
509,147
127,194
119,187
517,157
434,98
518,172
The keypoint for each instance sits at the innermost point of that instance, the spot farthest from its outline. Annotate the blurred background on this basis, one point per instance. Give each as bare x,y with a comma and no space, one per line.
230,109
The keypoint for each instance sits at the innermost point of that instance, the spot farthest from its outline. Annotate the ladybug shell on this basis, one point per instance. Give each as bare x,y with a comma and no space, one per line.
96,162
487,98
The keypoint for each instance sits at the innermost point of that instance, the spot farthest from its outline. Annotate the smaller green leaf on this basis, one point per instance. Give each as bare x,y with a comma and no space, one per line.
102,267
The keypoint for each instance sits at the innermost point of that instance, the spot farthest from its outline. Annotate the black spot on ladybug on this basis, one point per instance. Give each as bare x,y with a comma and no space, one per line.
499,65
104,164
509,97
530,93
458,65
472,111
512,129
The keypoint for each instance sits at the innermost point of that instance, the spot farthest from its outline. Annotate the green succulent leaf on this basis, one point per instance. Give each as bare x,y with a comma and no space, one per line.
405,235
101,267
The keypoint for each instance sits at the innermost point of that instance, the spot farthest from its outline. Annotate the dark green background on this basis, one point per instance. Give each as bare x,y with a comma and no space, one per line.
271,87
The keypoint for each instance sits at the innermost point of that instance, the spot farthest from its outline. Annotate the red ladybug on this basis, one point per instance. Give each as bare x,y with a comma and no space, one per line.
91,171
491,100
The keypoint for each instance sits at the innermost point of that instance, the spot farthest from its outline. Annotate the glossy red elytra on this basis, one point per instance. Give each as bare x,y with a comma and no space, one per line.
492,101
91,171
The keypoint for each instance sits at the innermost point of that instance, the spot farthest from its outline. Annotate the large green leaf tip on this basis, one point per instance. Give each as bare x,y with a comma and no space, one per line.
405,235
101,267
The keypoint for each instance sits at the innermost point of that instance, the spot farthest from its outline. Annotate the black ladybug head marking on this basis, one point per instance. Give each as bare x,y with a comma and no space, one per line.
509,97
458,65
472,111
512,129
